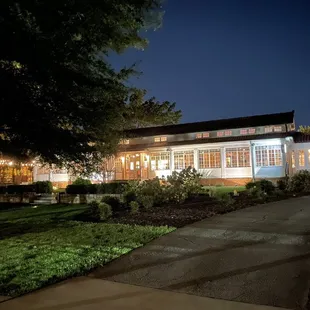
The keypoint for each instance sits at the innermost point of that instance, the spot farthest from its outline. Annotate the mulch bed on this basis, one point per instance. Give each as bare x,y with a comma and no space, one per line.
195,210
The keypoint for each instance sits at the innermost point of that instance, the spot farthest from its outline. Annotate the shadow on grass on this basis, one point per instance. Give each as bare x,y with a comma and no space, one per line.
42,222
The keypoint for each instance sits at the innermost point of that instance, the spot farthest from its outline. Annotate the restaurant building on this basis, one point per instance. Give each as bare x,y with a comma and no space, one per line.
226,152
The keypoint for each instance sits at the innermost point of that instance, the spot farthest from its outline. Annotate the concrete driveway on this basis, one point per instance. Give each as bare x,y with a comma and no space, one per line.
258,255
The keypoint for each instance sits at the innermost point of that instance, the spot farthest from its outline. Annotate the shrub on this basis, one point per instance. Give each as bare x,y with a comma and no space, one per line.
129,197
257,193
226,199
146,201
113,201
81,181
99,211
43,187
187,180
111,188
151,188
264,185
81,189
174,194
282,184
18,189
250,185
134,207
105,211
300,182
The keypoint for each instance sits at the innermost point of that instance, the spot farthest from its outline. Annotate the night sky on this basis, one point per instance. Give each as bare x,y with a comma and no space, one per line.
229,58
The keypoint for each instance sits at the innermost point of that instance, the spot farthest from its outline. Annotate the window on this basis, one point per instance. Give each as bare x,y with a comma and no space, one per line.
268,155
125,141
238,157
202,135
301,158
277,128
268,129
160,161
183,160
160,139
210,159
308,156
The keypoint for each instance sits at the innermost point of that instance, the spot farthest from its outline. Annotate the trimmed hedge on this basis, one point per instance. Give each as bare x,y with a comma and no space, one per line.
40,187
17,189
103,188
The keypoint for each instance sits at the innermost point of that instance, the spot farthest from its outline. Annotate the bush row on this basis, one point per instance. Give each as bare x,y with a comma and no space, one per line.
297,183
39,187
103,188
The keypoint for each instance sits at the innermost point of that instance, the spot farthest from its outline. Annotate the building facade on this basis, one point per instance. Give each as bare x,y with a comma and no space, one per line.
226,152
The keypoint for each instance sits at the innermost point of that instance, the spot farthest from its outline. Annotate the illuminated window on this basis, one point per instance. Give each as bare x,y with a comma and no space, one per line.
228,133
252,131
202,135
237,157
268,129
160,161
220,134
160,139
301,158
210,158
277,128
126,141
293,159
183,160
308,156
268,155
243,131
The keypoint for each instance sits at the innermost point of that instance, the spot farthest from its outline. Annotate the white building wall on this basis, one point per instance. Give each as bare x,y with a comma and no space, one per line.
294,152
273,171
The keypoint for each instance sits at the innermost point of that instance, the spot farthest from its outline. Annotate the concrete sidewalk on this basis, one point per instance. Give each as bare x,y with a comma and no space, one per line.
259,255
86,293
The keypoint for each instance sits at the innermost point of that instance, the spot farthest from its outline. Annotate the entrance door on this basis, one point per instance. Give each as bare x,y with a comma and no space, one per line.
137,166
133,167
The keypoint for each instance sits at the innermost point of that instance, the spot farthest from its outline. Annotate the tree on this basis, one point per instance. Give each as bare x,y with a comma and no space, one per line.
304,129
143,113
61,100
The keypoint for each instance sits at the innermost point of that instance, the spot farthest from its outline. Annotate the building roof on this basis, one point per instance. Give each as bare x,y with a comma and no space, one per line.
139,147
229,123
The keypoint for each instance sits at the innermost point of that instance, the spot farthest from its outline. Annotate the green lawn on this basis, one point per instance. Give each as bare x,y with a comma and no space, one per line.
39,246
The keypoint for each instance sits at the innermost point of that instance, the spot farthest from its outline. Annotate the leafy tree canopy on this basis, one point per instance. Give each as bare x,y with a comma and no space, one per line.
61,100
304,129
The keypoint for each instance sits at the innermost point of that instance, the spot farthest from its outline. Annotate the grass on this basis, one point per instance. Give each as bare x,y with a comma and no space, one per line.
43,245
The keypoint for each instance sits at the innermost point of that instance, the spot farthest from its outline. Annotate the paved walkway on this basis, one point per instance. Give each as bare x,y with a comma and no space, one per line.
258,255
85,293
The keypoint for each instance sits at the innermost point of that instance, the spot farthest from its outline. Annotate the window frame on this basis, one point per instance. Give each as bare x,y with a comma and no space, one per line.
210,163
268,155
239,152
160,156
177,155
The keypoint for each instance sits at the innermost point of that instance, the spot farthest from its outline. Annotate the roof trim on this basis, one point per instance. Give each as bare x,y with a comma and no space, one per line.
140,147
221,124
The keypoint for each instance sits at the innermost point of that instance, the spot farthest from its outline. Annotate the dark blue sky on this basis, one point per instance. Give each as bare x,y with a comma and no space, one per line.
227,58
